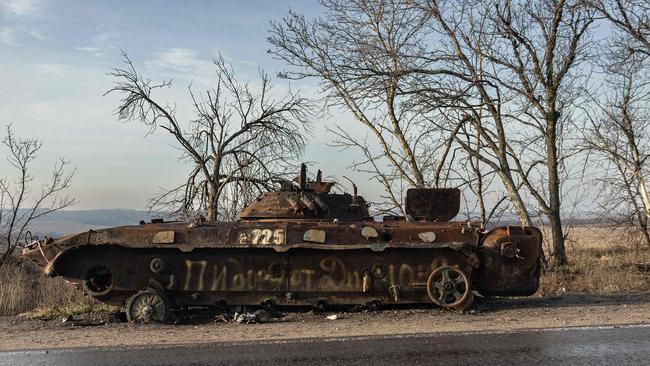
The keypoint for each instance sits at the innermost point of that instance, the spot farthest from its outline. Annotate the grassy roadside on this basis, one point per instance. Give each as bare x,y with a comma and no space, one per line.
22,289
602,261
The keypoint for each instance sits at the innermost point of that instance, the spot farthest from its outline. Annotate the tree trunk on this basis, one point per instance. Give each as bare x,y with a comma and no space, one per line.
557,239
646,234
638,169
643,225
213,201
399,134
212,213
554,211
515,198
645,197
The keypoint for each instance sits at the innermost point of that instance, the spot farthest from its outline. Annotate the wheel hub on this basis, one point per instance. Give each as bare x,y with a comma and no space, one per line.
448,286
147,310
146,306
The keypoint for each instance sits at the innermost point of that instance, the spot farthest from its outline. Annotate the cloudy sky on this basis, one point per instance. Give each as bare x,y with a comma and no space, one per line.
54,56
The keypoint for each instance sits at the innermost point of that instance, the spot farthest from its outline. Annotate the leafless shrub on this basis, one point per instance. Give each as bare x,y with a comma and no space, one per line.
21,201
603,260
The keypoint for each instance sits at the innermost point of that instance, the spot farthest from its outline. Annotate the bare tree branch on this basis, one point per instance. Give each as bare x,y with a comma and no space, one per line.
20,205
242,140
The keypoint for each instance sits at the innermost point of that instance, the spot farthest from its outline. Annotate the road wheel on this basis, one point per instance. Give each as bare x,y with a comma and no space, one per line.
374,305
147,306
320,305
450,288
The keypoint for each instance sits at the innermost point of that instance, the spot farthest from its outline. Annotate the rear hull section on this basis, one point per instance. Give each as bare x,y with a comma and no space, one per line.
510,273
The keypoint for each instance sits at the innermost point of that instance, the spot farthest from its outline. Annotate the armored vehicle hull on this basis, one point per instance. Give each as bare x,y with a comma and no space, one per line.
265,260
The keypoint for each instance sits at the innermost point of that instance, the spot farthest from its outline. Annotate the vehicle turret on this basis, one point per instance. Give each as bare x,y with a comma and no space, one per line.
303,199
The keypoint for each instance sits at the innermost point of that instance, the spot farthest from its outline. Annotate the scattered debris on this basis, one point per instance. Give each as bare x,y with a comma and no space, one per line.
248,318
259,316
332,317
67,319
220,319
70,320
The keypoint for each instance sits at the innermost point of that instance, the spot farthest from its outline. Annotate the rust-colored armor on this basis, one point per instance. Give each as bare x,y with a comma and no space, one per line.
301,245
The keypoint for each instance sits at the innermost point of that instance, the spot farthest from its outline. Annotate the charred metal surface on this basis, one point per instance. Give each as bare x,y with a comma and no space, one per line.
306,205
433,204
510,261
300,246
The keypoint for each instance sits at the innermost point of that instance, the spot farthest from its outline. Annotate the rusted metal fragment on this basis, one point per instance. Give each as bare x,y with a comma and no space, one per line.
163,237
314,236
510,259
369,232
427,236
306,205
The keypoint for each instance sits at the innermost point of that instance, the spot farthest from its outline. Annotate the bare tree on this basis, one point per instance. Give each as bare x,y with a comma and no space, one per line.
242,140
618,135
480,110
497,78
523,58
617,132
631,20
21,202
369,57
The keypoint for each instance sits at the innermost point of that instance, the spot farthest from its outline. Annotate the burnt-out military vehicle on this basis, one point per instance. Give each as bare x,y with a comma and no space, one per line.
301,245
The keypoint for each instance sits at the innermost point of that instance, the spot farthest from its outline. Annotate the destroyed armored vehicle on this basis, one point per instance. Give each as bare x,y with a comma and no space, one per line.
301,245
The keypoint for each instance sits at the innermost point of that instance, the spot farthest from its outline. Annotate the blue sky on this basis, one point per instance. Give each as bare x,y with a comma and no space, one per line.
54,56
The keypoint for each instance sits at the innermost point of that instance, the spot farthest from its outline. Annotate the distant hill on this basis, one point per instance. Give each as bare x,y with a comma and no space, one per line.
75,221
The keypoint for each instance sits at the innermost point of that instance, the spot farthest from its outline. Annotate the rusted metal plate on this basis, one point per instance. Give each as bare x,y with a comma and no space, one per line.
284,235
513,273
434,204
308,271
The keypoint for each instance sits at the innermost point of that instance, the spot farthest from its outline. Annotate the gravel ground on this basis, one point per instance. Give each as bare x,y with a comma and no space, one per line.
206,326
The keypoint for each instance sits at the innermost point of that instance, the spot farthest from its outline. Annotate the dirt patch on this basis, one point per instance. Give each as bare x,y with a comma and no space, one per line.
110,330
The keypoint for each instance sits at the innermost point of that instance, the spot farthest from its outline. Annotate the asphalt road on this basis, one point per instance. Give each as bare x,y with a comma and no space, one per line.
625,345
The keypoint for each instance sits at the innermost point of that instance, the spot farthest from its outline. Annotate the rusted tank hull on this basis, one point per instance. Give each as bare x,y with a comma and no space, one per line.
336,274
254,277
301,245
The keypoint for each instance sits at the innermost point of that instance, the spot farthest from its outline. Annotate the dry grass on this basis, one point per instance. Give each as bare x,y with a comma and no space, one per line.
24,290
602,261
